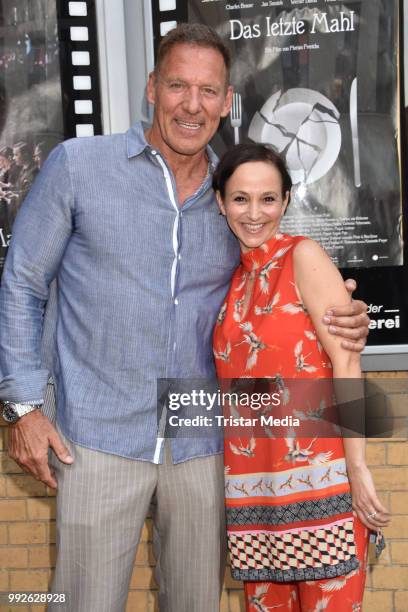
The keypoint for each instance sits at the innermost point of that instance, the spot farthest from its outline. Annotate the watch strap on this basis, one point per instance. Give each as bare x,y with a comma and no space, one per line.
21,408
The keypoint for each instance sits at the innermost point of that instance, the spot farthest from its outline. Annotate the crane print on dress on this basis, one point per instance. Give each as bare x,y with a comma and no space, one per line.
241,489
326,476
321,605
296,307
288,484
258,486
269,486
227,470
237,314
300,359
312,336
243,281
297,454
259,310
307,481
223,355
337,583
222,313
257,601
310,414
273,264
341,474
255,344
247,451
282,388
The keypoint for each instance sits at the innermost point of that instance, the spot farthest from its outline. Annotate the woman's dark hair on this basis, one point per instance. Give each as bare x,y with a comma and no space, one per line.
244,153
6,152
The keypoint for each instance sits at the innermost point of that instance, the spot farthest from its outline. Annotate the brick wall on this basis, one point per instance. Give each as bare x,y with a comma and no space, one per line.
27,537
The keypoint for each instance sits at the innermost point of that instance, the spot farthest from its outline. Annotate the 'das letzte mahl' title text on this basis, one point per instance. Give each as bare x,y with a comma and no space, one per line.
319,23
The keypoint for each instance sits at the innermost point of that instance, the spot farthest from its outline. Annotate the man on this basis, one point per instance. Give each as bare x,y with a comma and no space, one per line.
9,181
6,162
23,160
39,155
129,228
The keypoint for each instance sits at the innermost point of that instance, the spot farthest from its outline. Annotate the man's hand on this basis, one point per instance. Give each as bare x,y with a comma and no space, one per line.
29,440
350,321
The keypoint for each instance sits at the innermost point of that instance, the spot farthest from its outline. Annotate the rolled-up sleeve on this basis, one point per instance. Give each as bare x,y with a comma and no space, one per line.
41,232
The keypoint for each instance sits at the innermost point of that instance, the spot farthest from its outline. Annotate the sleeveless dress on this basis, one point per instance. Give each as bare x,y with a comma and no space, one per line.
288,502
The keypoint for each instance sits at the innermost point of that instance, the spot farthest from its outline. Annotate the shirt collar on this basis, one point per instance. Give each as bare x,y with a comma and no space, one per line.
137,143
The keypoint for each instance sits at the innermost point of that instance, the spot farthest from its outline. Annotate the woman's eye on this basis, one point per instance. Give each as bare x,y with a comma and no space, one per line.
239,199
269,199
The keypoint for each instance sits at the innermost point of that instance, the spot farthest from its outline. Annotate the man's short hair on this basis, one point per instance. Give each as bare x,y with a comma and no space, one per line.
195,34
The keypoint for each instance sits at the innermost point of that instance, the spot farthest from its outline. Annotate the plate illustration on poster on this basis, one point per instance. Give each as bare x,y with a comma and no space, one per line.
303,125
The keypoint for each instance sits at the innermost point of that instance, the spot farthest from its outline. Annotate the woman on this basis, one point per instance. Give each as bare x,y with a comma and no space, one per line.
293,536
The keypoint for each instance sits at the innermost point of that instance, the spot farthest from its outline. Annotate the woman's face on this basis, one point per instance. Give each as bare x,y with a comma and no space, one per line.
253,203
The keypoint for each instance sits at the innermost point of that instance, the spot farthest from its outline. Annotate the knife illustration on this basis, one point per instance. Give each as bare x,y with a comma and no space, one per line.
354,133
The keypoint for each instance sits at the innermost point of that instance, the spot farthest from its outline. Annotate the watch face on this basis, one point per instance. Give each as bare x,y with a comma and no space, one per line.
9,414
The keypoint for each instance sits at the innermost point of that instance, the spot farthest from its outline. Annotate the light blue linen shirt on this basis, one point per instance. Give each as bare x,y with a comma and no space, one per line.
138,285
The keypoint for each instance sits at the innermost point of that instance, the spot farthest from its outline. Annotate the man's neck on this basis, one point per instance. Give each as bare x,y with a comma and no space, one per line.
189,170
178,162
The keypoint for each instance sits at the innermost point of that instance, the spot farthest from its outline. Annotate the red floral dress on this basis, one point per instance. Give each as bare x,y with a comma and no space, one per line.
288,502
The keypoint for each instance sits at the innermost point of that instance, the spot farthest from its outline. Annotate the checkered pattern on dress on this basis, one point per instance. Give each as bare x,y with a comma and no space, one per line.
301,550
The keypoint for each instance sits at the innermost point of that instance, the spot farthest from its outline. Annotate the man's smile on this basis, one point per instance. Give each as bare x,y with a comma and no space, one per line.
189,125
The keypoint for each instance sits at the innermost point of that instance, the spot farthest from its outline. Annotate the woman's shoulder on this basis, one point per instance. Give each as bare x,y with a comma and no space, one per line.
305,245
310,259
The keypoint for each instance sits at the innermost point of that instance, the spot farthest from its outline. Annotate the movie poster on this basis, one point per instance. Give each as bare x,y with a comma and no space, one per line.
31,121
318,80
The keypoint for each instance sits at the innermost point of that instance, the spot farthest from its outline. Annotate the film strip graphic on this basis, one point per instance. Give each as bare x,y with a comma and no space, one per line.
166,15
79,68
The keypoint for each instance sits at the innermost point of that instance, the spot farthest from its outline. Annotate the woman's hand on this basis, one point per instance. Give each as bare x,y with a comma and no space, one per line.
365,501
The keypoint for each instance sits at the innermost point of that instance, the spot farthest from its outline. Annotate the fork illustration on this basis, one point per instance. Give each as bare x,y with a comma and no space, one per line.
236,115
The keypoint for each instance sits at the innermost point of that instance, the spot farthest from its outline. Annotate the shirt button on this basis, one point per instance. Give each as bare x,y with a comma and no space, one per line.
179,256
174,346
176,301
154,152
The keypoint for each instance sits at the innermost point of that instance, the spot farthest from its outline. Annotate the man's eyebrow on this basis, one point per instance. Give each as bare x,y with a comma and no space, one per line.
181,80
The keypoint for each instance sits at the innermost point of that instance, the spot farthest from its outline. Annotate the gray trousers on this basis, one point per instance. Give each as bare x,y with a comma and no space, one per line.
102,503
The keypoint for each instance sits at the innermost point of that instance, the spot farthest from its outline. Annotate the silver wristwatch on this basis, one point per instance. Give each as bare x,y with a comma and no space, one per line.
13,411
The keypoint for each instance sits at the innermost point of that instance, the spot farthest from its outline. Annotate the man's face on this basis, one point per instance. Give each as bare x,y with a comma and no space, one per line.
37,156
190,95
17,157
